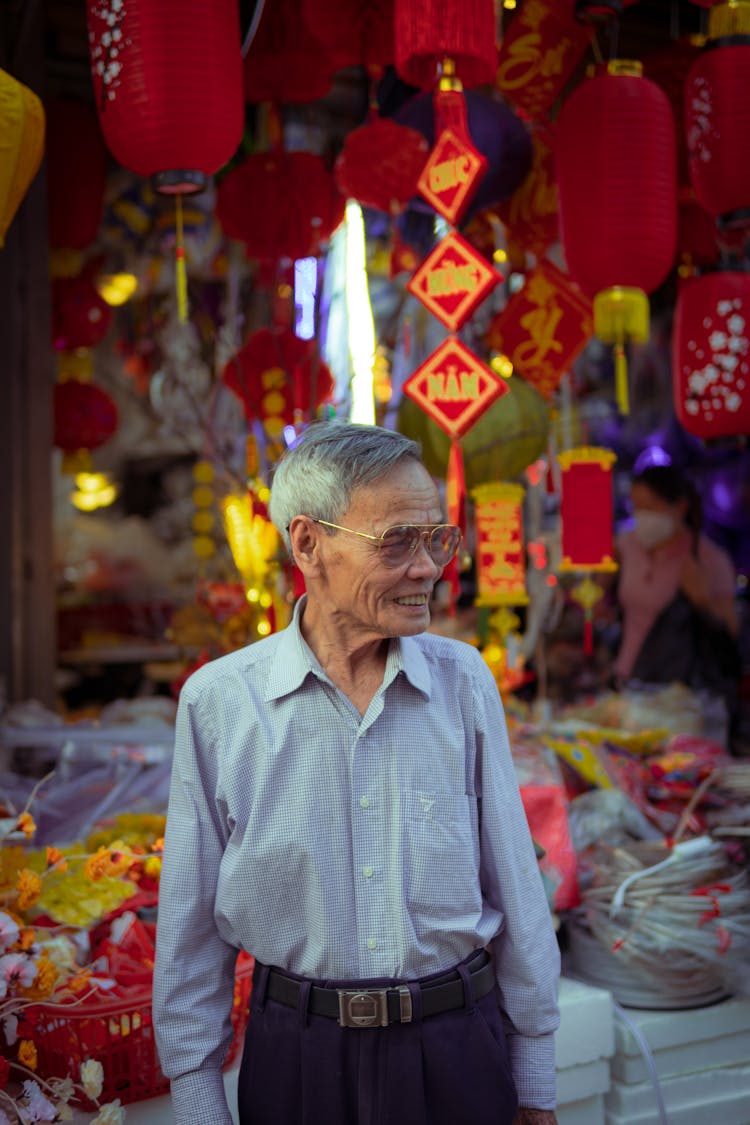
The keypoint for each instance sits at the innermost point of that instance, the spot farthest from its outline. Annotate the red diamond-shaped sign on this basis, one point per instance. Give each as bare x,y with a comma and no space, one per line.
453,387
452,280
451,175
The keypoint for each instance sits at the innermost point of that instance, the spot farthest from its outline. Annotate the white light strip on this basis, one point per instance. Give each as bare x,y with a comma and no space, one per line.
359,316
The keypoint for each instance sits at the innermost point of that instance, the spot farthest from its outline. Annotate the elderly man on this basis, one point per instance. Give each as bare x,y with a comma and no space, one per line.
344,807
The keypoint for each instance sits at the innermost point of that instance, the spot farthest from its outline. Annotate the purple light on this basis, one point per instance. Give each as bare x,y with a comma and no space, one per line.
649,457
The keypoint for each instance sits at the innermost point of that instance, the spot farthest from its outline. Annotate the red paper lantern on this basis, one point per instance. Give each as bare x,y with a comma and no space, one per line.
616,172
168,86
711,355
286,61
380,164
717,117
76,173
427,32
280,204
80,317
357,32
279,379
84,416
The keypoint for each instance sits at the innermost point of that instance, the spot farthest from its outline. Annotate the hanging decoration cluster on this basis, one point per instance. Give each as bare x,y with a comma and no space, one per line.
168,88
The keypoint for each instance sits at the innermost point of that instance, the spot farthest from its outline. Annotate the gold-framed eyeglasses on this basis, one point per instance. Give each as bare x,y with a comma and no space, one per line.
398,544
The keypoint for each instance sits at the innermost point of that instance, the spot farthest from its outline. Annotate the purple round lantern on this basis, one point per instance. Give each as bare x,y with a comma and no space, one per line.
495,131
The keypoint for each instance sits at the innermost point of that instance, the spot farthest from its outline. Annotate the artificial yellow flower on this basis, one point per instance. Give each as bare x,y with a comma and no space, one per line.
29,887
92,1077
27,937
26,824
27,1054
110,1114
44,981
152,866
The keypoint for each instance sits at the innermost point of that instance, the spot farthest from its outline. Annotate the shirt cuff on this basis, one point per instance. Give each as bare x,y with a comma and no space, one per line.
199,1095
533,1063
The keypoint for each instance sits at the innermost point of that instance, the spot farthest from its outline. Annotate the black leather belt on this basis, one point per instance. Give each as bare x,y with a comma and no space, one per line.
378,1007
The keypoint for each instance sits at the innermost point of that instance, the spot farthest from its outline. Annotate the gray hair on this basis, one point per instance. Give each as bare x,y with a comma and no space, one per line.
318,476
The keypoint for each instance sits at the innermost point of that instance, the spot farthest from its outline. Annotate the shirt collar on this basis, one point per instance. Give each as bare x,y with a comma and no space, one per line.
294,661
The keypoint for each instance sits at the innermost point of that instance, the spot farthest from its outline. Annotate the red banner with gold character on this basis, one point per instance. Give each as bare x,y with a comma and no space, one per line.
540,50
500,555
587,509
543,327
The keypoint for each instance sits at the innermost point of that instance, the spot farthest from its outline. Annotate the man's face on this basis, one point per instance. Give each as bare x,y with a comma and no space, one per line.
367,597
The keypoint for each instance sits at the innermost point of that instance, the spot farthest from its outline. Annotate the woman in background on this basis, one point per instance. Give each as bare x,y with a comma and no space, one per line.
670,572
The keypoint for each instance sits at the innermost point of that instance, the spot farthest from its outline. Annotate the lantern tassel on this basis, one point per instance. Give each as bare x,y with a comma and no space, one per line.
621,377
180,266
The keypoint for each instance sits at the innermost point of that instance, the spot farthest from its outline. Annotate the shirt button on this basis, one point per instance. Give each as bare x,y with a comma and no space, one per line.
364,802
367,872
371,943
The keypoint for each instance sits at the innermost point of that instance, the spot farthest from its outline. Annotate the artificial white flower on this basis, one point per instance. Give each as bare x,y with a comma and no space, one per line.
92,1077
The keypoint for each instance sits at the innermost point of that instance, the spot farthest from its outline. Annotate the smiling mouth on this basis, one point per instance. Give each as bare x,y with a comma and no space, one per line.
415,599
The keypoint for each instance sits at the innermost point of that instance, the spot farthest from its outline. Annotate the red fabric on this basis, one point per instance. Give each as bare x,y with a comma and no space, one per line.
286,61
717,125
428,31
711,355
76,173
358,32
280,204
380,164
546,812
168,82
617,182
85,416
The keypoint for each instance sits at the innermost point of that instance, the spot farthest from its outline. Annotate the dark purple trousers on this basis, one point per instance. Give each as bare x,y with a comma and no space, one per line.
304,1069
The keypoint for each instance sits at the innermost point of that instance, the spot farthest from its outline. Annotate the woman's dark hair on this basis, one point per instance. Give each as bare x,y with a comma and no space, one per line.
670,484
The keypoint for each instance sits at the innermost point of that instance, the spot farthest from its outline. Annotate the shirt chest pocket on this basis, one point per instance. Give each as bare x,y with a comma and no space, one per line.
441,852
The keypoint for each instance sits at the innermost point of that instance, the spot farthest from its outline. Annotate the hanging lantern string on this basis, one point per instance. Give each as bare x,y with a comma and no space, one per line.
180,266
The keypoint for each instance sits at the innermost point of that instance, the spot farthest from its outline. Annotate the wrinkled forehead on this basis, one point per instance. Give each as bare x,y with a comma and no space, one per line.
404,494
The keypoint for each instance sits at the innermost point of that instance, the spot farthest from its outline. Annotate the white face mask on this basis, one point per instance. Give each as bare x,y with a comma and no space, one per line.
653,528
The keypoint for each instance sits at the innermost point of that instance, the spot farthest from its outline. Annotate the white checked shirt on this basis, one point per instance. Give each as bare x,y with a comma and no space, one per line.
342,846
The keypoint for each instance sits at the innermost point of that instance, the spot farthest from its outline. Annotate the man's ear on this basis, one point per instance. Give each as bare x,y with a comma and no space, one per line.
305,537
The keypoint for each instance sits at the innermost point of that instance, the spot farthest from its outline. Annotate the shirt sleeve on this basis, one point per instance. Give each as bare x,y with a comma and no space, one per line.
194,969
719,568
527,957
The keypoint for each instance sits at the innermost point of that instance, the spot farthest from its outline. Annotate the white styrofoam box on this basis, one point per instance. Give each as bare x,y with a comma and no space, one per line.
680,1027
577,1082
720,1094
586,1031
586,1111
727,1050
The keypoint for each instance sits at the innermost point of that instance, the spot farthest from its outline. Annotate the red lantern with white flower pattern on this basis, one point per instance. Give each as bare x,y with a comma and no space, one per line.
711,355
717,117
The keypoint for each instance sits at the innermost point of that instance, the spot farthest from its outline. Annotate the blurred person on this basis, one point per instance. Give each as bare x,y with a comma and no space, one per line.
676,590
344,807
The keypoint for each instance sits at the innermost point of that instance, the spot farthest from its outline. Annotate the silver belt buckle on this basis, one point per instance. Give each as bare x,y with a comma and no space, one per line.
364,1008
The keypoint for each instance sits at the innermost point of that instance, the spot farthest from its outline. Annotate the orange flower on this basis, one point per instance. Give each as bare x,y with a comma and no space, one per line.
113,860
29,888
27,1054
56,859
25,824
27,937
44,981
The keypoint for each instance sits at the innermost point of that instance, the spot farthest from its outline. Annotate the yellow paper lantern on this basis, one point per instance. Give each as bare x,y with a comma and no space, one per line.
21,145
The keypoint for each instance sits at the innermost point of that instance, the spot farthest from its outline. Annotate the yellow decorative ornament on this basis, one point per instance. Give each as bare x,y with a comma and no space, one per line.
21,145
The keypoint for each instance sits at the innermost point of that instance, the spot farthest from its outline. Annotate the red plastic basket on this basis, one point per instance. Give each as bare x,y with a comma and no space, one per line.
120,1035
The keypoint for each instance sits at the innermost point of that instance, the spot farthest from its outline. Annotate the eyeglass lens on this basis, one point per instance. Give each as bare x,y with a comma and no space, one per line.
400,543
